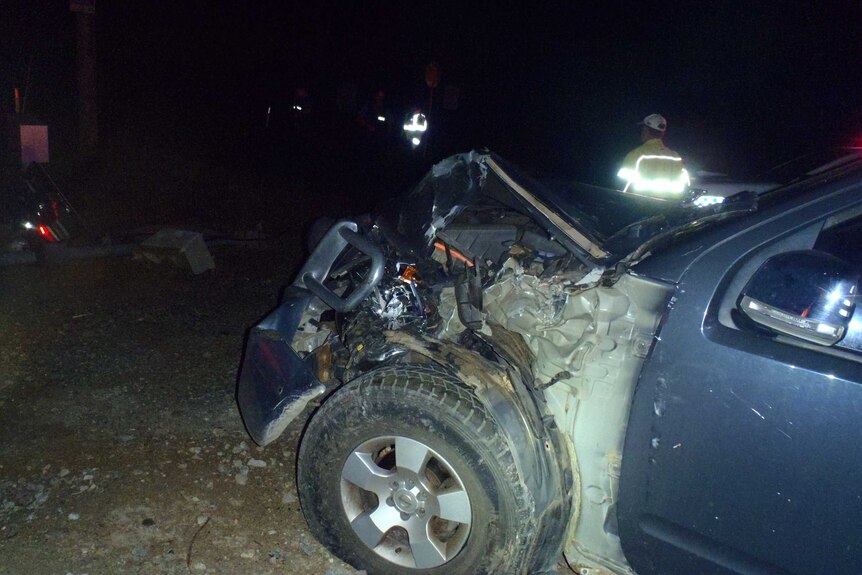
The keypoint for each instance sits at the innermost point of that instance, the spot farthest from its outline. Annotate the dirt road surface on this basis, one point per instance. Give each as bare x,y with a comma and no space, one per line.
121,448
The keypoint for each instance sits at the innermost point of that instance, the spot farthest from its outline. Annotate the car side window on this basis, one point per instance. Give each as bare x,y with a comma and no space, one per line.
843,241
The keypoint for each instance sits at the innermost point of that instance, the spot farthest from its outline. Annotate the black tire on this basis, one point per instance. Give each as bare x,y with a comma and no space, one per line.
437,411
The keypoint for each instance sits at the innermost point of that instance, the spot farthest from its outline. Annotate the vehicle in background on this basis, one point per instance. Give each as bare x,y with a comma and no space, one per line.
493,374
37,207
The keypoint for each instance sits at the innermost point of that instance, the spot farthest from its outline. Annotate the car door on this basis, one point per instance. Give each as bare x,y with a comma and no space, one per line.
744,450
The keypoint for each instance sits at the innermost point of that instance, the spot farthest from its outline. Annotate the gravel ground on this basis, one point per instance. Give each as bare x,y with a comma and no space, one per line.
121,447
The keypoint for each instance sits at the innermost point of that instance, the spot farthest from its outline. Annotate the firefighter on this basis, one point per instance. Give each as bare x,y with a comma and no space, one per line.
652,167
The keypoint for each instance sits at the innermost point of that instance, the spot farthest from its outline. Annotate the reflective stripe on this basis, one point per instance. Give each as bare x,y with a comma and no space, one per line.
635,179
418,123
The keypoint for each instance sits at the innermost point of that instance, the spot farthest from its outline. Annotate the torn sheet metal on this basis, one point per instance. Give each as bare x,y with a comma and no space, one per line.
452,184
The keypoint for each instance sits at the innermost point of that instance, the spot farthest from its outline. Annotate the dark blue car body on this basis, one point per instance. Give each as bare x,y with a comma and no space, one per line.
743,452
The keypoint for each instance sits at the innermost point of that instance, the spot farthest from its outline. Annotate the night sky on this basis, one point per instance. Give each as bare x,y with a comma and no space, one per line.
556,86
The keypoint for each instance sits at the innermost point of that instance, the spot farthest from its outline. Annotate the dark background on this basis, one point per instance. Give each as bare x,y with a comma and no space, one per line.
555,87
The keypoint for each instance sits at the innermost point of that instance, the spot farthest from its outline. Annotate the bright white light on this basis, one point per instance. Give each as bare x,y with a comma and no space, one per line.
704,201
28,226
381,118
415,141
834,296
827,329
418,123
848,303
298,108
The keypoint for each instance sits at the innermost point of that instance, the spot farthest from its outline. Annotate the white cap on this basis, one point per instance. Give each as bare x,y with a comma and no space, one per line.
655,122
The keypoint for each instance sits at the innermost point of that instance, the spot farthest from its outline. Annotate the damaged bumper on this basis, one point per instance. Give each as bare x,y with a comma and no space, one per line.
275,383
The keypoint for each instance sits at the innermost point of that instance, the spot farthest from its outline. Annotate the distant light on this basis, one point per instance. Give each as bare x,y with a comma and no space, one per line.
44,231
381,118
27,226
298,108
415,141
418,123
835,295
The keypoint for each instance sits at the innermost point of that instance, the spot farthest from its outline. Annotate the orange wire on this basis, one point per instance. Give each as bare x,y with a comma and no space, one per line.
454,253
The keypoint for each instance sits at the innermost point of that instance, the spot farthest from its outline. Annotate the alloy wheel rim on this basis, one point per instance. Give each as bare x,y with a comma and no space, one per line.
405,502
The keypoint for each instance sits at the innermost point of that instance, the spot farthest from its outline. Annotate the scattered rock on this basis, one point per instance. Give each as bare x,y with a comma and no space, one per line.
64,472
139,552
247,554
199,566
240,478
306,548
288,498
256,463
202,519
74,516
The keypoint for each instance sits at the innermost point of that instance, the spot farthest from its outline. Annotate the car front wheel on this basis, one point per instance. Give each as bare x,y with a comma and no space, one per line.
404,471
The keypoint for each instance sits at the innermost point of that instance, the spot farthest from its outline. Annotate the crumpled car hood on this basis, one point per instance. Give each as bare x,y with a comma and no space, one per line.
599,226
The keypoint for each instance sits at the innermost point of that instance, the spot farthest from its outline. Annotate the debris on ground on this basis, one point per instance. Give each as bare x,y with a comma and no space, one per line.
181,248
128,454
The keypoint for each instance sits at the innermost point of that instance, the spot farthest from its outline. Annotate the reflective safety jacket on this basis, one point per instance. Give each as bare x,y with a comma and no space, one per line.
653,167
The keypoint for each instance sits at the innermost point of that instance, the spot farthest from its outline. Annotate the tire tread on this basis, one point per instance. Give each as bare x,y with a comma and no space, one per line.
434,384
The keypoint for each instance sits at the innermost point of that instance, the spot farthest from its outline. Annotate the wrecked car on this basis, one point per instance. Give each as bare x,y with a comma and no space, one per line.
494,375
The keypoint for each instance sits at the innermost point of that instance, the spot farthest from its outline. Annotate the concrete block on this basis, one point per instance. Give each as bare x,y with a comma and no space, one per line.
180,247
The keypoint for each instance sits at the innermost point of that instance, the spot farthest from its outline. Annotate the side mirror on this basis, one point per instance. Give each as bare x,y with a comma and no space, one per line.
806,294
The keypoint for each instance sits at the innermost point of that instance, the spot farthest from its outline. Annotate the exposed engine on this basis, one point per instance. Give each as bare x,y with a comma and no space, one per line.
488,282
